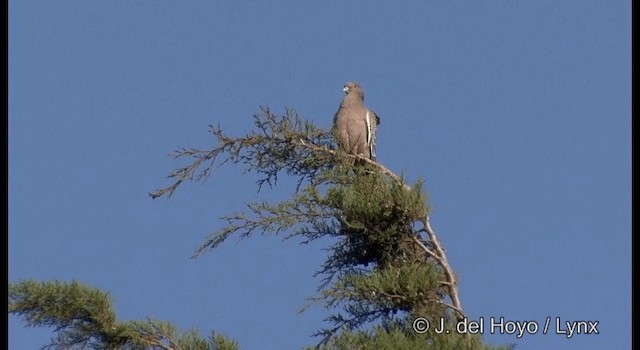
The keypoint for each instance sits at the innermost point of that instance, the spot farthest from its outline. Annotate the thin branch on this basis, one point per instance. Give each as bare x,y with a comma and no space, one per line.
451,277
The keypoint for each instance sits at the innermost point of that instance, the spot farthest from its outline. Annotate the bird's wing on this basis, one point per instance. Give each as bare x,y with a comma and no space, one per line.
340,129
372,121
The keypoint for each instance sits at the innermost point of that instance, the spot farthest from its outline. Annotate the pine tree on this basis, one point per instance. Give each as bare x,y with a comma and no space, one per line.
386,271
388,267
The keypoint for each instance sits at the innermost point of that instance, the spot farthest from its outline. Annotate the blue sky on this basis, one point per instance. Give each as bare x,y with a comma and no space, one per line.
516,113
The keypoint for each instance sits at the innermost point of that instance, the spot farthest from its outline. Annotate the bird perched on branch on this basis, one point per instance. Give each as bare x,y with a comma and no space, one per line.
354,124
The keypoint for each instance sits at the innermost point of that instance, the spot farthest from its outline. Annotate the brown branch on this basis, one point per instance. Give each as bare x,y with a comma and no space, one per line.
451,277
455,308
324,151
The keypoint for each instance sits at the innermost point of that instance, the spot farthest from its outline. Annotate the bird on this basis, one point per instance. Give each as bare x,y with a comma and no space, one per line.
355,125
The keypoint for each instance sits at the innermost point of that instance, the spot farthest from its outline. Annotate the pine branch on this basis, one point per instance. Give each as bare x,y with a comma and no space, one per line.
82,318
268,152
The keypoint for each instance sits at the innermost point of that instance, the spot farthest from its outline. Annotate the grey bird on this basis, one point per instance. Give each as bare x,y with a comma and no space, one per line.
354,125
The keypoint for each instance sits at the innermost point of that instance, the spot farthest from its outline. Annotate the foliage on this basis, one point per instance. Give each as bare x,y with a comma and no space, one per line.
83,318
394,336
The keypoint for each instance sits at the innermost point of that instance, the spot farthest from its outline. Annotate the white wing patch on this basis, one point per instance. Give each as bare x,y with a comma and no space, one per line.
368,119
370,137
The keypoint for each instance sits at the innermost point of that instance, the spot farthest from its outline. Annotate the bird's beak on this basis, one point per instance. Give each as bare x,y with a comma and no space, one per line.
345,89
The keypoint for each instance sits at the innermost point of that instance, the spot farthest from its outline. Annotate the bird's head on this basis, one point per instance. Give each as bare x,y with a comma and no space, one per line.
352,87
